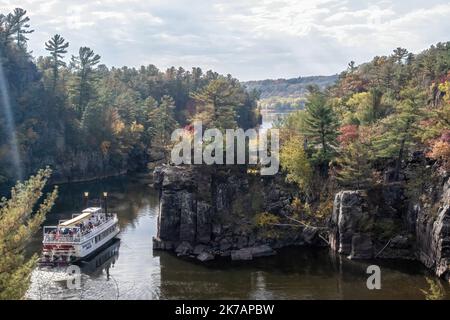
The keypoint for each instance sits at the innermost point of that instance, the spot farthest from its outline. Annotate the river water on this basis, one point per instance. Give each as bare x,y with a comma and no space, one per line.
129,269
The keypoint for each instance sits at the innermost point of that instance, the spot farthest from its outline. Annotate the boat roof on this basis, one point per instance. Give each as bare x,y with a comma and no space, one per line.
85,215
92,209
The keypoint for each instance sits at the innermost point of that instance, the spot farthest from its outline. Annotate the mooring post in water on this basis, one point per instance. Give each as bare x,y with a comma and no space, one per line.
105,201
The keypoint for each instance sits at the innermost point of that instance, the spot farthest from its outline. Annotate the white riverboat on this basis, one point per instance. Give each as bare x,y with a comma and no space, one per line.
79,237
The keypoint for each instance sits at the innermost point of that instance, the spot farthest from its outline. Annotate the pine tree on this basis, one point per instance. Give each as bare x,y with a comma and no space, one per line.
18,223
351,68
57,46
400,128
6,29
84,64
21,27
320,128
354,166
162,123
217,103
400,54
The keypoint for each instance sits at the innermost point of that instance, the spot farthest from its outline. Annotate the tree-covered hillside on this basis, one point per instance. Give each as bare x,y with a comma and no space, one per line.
287,94
86,120
295,87
364,130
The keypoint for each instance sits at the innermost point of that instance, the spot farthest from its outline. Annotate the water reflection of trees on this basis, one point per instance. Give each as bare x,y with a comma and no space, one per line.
292,274
126,196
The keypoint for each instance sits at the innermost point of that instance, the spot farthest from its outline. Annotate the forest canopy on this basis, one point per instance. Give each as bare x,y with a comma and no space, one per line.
87,120
363,130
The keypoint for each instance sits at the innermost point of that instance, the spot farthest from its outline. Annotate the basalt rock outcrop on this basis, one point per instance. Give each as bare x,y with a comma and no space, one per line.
369,224
387,223
433,229
349,235
207,212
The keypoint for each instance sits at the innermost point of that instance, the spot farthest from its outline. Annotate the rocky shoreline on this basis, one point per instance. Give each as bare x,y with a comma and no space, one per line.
208,214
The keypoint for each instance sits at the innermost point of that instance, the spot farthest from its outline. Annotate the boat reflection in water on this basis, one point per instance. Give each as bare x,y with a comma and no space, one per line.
101,262
96,280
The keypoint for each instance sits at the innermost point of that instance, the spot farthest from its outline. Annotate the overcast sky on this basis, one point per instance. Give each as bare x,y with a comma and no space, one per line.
251,39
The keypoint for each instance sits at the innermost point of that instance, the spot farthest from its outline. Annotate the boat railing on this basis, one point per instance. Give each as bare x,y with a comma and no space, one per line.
52,234
62,238
95,228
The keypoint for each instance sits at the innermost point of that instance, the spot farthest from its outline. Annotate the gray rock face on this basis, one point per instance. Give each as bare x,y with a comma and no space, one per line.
205,256
253,252
355,216
184,249
200,248
216,208
362,247
158,244
348,223
400,242
178,203
225,245
262,251
310,234
433,235
188,216
242,254
79,166
204,223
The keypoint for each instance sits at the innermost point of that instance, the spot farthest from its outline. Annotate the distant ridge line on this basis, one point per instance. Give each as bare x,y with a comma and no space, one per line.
293,87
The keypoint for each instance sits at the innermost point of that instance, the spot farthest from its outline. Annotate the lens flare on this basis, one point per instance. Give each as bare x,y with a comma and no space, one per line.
10,126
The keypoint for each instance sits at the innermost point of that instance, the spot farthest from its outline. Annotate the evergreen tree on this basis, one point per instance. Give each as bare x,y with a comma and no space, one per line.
354,166
21,27
401,128
217,103
352,67
162,123
84,64
18,223
400,54
6,29
320,129
57,46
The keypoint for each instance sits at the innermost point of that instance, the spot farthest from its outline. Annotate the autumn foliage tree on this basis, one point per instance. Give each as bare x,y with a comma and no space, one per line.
440,150
295,163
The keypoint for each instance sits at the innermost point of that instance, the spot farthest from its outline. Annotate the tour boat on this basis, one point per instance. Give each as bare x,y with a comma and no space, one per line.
79,237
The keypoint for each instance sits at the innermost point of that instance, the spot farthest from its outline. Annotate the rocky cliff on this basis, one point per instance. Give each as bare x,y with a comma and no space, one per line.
433,228
85,166
206,213
366,225
369,224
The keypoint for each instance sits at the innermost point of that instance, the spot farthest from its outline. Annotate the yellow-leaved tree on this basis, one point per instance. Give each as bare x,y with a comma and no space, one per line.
295,163
20,219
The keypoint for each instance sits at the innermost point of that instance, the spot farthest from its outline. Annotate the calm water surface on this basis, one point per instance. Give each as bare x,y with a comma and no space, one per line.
129,269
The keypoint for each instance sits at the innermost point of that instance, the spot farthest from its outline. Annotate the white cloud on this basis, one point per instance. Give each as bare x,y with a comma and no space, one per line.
251,39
